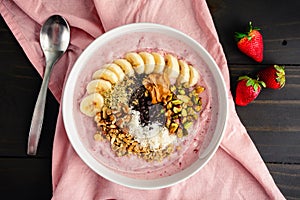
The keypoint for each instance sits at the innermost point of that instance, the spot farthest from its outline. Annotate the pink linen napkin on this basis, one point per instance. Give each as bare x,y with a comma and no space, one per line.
236,171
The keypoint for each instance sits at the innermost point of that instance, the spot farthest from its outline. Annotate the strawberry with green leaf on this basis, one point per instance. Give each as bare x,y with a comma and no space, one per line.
273,76
251,43
247,90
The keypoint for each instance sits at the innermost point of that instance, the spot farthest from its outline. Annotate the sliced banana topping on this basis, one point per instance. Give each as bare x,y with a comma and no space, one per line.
184,75
106,74
117,70
194,76
172,67
92,104
149,62
136,62
98,86
176,70
159,63
126,66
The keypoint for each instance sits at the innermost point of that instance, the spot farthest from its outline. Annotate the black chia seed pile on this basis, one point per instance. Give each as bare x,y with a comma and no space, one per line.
140,100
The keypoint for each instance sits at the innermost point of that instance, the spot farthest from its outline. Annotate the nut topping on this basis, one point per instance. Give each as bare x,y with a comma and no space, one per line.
174,107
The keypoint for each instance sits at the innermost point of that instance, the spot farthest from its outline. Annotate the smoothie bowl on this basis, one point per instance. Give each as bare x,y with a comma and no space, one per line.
145,106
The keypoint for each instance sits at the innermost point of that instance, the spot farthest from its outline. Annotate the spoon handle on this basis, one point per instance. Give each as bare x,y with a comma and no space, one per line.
38,113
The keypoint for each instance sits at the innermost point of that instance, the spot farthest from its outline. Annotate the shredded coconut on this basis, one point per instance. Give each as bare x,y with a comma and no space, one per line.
153,135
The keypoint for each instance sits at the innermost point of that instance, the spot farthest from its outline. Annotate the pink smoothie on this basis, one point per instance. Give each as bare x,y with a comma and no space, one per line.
191,145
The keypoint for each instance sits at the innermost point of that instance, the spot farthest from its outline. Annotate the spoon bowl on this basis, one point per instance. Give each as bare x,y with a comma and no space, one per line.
54,40
55,34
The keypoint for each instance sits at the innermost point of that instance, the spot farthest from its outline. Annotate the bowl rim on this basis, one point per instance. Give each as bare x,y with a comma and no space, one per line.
123,180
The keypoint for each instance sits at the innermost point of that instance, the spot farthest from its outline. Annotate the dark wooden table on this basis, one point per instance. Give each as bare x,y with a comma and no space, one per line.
273,120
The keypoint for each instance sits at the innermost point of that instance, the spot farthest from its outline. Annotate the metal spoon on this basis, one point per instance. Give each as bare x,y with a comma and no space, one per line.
54,40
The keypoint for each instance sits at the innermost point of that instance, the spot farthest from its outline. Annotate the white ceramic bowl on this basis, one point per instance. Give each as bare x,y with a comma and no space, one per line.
104,49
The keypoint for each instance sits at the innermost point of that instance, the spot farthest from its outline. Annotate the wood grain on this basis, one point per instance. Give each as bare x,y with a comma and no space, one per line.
25,178
273,120
19,87
279,22
287,178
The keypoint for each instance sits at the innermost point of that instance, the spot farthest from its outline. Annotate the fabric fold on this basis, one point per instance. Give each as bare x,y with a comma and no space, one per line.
236,171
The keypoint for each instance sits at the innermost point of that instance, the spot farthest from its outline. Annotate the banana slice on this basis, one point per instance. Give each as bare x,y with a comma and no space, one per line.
98,86
136,62
172,67
184,75
106,74
126,66
159,63
91,104
149,62
194,76
117,70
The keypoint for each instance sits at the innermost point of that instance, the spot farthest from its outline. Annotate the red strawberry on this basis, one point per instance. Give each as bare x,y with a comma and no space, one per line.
273,76
251,43
247,90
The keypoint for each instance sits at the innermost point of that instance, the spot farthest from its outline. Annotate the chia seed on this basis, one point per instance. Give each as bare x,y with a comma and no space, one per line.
140,100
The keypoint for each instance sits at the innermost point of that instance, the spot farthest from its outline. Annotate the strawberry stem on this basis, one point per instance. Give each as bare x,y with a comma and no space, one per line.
250,27
239,35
